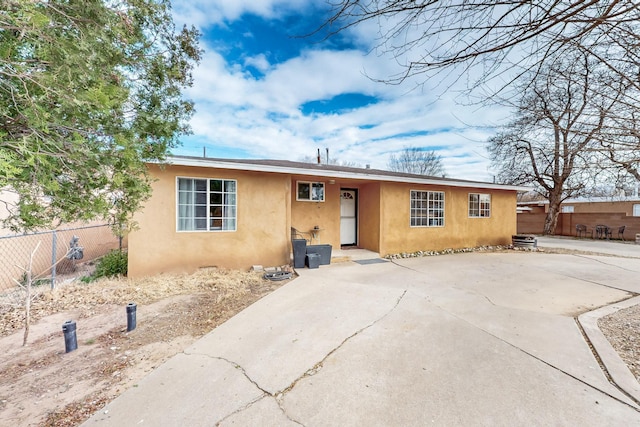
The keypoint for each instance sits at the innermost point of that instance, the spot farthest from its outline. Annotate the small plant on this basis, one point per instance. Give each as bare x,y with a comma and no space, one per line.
34,282
112,264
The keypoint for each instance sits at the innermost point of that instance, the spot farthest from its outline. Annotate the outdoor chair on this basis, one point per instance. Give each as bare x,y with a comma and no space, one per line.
603,231
581,230
621,232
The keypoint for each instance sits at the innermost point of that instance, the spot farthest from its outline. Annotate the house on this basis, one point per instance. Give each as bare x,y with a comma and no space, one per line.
237,213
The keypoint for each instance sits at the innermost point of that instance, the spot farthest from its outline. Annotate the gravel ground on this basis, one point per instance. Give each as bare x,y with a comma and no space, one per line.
622,329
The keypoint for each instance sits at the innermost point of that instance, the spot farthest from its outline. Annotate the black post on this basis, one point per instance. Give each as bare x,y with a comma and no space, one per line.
131,316
70,339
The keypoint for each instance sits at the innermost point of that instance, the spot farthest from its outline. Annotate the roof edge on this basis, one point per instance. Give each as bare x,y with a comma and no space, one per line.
344,173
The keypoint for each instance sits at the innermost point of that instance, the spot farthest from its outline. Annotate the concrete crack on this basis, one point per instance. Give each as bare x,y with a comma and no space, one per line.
237,411
606,263
489,300
318,366
265,393
593,282
280,395
539,359
241,369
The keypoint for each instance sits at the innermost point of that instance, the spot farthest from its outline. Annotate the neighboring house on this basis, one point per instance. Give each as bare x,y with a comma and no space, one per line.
627,205
614,212
237,213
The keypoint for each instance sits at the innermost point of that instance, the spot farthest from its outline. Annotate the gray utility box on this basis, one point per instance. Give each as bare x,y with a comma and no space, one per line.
313,260
299,252
323,250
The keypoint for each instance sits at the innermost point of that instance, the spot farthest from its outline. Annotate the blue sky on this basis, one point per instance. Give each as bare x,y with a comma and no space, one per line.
261,91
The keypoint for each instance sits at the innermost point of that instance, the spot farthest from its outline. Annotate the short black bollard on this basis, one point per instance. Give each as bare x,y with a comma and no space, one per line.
70,339
131,316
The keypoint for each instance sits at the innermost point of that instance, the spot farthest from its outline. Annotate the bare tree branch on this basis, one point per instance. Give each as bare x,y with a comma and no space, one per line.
509,37
417,161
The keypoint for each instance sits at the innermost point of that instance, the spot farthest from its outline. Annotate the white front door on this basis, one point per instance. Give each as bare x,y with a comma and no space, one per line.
348,215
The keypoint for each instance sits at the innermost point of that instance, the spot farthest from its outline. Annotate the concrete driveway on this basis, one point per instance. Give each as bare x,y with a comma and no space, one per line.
467,339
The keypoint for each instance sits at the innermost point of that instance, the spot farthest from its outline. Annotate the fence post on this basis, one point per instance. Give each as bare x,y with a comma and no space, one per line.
54,245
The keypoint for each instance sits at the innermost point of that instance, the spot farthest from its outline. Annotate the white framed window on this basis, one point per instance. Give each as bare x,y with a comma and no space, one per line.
427,208
310,191
636,209
206,204
479,205
566,209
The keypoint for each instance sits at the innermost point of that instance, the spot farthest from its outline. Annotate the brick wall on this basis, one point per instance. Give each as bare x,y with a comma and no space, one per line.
529,223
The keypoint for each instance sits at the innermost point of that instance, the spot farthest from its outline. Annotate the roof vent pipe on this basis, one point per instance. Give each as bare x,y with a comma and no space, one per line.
318,156
368,166
327,154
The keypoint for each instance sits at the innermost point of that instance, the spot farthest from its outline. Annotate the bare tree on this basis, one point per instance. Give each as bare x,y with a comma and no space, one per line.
431,36
555,136
621,143
417,161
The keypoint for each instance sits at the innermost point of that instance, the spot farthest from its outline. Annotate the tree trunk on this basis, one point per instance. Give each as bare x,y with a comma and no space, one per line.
551,219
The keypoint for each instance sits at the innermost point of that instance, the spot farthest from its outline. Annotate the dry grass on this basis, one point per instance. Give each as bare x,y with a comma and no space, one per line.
173,311
119,291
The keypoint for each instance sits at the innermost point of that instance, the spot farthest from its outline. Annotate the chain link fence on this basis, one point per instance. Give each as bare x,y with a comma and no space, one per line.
60,253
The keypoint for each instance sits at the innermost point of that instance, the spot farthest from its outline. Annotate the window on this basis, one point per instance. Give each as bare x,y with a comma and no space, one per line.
479,205
427,208
206,204
310,191
566,209
636,209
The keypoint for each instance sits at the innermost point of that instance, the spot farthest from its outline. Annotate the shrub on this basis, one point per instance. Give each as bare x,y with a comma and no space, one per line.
112,264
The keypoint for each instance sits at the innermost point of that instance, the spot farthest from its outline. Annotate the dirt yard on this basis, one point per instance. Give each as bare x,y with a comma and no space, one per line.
41,385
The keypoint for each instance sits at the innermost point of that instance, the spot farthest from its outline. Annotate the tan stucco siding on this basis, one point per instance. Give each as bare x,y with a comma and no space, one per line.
369,217
305,215
262,235
459,229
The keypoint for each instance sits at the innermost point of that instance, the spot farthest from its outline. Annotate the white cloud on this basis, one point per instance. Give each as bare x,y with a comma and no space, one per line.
262,115
204,13
259,62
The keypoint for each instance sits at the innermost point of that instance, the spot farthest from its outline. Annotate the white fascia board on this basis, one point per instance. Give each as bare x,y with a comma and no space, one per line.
221,164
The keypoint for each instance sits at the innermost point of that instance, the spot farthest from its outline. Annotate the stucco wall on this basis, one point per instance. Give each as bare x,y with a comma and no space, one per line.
262,236
459,230
267,209
305,215
369,216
